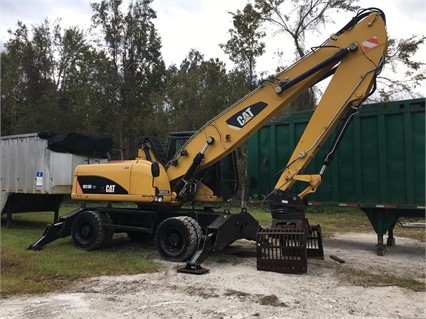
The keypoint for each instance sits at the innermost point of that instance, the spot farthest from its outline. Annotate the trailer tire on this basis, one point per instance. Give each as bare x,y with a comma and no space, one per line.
87,230
177,238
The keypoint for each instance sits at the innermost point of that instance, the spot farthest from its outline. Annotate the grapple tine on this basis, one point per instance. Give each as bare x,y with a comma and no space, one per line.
285,248
282,249
314,243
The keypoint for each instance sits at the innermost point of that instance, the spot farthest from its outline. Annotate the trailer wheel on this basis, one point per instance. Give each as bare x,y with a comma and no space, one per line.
87,231
177,238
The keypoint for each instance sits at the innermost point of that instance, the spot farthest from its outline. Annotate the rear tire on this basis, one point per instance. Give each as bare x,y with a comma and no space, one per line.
177,238
87,230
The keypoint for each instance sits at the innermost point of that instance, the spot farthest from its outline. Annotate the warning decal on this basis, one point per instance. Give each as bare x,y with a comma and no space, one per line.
370,43
39,180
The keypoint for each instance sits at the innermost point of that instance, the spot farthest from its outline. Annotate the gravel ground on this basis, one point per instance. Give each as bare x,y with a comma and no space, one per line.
233,288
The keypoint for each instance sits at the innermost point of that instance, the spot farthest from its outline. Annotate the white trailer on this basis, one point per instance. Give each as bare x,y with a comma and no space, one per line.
37,169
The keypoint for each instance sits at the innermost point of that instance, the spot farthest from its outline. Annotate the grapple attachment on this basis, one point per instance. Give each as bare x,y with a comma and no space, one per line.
285,248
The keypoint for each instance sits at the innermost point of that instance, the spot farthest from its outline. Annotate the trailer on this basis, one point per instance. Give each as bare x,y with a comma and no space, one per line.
37,168
378,167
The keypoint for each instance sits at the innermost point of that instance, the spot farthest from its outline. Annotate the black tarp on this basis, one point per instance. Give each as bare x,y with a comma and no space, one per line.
78,143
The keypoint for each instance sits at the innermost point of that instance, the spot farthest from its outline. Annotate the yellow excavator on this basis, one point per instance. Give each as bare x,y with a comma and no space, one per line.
201,166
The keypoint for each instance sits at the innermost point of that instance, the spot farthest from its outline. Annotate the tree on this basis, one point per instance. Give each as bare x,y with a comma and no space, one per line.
39,67
9,98
400,56
199,90
136,72
302,17
27,74
245,46
296,18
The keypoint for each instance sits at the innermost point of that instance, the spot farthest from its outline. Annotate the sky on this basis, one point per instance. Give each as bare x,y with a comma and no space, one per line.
204,24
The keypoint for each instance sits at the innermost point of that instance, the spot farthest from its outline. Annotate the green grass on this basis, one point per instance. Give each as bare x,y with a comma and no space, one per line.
60,264
347,219
365,278
343,220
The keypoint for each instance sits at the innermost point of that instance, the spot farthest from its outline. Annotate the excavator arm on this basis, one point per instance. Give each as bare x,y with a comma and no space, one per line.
350,59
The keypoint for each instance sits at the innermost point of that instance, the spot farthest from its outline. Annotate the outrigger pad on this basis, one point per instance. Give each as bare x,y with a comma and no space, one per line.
194,271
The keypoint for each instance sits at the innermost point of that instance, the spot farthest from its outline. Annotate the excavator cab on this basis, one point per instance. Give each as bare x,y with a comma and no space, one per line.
221,177
219,180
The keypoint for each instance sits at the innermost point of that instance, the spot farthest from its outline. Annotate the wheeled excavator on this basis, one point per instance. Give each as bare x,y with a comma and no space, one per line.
202,168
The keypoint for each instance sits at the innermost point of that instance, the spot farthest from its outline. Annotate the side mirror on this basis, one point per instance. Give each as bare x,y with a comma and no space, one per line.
155,169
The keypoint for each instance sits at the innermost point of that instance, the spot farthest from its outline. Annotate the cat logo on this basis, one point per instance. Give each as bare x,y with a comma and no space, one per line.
110,188
246,116
240,119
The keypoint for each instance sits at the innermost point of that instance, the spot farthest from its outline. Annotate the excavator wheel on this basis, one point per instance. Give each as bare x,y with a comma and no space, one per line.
87,231
177,238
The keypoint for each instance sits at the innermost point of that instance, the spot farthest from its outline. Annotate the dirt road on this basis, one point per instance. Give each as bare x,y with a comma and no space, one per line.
235,289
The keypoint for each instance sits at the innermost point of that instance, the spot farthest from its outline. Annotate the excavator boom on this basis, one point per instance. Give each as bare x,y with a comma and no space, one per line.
352,58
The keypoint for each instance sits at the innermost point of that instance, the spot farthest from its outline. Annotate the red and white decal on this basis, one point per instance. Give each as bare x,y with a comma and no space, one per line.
370,43
79,190
348,205
386,206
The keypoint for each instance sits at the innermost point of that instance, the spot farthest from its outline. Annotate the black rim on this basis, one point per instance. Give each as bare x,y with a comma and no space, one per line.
173,242
85,232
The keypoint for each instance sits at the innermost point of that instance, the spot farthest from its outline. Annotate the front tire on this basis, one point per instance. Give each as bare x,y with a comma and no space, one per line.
87,230
177,238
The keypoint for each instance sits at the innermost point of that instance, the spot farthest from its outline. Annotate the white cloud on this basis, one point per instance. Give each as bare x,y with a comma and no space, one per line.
33,12
203,24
